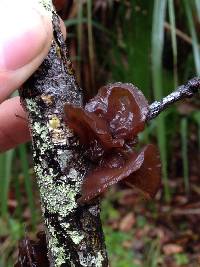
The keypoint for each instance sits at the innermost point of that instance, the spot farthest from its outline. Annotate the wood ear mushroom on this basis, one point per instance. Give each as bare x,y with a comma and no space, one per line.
107,127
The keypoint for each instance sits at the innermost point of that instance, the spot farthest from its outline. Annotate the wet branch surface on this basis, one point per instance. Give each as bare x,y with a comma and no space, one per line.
74,233
184,91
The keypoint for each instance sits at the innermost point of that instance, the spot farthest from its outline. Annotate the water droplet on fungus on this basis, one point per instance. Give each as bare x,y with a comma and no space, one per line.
108,127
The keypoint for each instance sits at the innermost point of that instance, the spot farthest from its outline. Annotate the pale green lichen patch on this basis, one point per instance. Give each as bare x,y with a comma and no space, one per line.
44,147
32,106
57,198
47,4
75,236
40,130
60,197
57,251
99,260
44,142
64,225
91,260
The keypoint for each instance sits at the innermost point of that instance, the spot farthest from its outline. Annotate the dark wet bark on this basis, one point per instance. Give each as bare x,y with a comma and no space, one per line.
184,91
74,232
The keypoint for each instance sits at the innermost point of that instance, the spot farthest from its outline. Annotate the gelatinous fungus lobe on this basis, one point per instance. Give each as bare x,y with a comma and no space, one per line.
141,170
107,127
123,107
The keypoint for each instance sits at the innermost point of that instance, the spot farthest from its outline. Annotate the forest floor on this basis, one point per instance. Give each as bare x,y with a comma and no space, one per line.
139,232
153,233
158,232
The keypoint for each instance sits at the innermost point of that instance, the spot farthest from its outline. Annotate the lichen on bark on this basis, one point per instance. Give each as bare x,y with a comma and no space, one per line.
47,4
74,232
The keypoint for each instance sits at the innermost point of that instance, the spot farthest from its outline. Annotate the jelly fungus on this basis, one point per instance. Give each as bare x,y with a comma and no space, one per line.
107,127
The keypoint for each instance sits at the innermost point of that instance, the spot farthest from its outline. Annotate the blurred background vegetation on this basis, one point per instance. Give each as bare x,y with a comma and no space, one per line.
154,45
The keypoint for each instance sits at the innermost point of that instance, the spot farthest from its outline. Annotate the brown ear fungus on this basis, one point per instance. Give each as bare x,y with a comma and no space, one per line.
108,128
93,131
147,177
123,107
114,169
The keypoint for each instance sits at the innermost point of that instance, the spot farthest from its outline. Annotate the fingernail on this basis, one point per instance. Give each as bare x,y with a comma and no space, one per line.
22,34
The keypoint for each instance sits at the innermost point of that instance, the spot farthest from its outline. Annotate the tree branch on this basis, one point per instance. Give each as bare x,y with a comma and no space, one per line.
183,91
74,233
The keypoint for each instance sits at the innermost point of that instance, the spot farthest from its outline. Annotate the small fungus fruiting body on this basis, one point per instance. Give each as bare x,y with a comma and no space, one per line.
107,127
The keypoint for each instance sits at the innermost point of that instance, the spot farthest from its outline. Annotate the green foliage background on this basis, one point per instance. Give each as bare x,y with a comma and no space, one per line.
153,44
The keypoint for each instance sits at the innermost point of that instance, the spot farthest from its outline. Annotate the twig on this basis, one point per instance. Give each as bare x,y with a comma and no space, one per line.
183,91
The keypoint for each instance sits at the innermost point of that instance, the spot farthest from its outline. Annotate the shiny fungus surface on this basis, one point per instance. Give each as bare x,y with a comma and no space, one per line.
123,107
147,177
115,115
140,170
93,131
107,127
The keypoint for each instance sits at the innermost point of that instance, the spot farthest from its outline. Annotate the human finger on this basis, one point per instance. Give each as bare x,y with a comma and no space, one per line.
25,40
13,127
